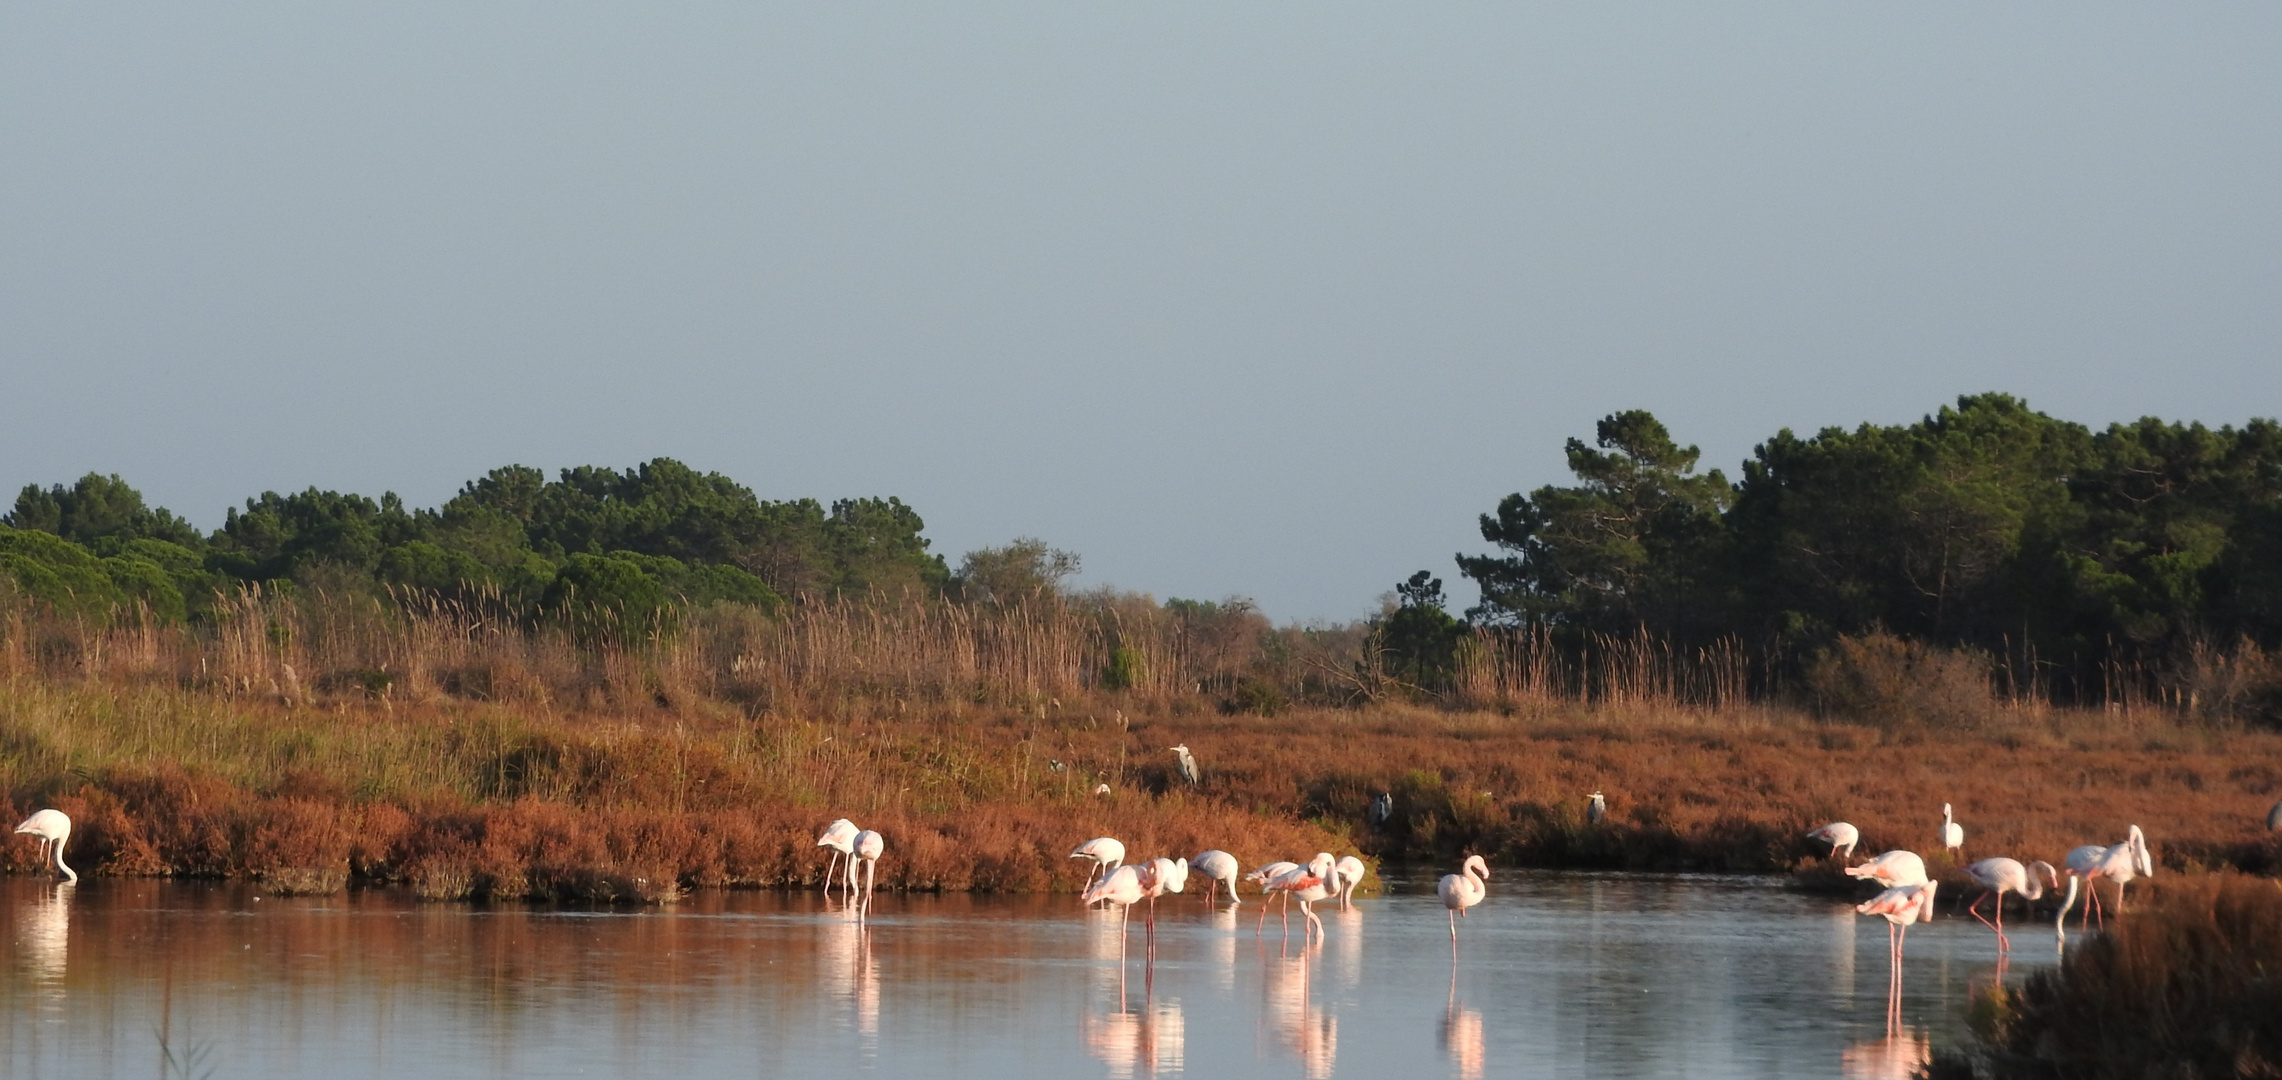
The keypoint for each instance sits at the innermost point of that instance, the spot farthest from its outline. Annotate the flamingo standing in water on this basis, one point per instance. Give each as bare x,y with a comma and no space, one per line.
52,827
1463,890
1164,876
1350,871
1839,835
1997,876
1952,834
1262,875
869,846
840,836
1892,869
1218,867
1107,855
1901,906
2119,863
1308,884
1124,886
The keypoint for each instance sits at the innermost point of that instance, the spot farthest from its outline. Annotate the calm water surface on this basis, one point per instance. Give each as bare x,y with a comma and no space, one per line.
1560,975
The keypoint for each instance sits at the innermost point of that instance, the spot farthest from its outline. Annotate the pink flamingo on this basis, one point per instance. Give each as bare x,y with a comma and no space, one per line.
1124,887
1107,854
2119,863
1838,835
1308,884
1997,876
840,836
1901,906
52,827
1463,890
1262,875
869,846
1892,869
1217,866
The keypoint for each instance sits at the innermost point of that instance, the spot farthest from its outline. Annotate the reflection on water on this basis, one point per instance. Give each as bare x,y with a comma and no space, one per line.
1895,1057
1561,976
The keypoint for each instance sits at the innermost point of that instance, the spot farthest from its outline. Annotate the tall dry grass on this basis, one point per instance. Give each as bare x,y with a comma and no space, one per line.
450,745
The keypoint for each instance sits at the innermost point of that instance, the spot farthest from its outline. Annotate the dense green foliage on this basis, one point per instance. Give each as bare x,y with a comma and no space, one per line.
1987,525
594,540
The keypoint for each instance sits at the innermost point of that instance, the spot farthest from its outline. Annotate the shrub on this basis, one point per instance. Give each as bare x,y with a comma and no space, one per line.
1890,682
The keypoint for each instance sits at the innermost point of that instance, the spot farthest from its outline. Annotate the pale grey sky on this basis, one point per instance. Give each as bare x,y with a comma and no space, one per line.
1268,299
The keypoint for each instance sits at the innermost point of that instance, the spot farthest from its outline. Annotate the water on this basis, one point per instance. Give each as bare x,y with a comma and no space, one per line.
1561,975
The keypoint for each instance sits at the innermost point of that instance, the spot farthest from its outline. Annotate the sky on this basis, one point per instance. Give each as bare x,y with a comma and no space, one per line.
1267,300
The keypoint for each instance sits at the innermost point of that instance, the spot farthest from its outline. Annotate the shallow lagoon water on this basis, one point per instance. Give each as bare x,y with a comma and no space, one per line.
1560,975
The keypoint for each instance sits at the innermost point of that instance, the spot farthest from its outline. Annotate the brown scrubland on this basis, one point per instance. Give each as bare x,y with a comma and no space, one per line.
308,745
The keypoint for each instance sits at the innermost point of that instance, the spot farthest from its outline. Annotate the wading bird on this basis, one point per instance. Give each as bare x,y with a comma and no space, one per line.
1187,763
1262,875
1350,871
52,827
1383,809
1107,855
1463,890
869,847
1952,834
1999,876
1892,869
1596,809
840,836
1901,906
1219,868
2274,818
1307,884
2119,863
1839,835
1163,876
1123,886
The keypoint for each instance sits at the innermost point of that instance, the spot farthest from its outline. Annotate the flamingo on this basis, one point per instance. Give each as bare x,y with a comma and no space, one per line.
52,827
1218,867
2119,863
1262,875
1952,834
1163,876
1596,808
1124,886
1107,855
1463,890
1901,906
1999,875
869,846
1307,884
840,836
1838,834
1892,869
1350,871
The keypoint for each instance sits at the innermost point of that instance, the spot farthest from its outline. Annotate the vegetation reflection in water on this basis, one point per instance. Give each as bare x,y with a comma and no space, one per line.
1561,975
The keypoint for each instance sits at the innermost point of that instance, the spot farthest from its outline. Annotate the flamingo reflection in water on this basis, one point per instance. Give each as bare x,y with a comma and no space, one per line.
846,951
44,933
1462,1034
1310,1033
1898,1056
1142,1042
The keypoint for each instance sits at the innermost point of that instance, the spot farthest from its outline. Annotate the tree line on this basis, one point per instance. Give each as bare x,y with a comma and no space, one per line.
1986,526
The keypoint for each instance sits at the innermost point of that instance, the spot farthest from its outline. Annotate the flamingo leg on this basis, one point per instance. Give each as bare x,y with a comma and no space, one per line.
1975,908
2004,944
1453,933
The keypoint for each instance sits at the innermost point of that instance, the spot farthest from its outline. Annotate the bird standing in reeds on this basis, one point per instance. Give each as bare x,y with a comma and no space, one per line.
1840,836
1952,834
52,828
2274,818
1999,876
1186,763
1218,868
840,836
1382,810
1107,853
1596,808
1463,890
